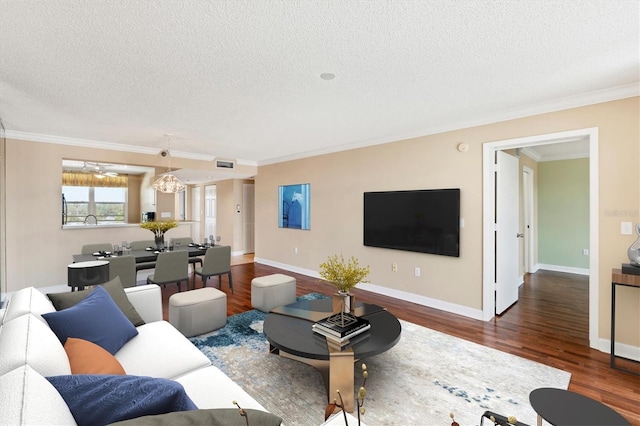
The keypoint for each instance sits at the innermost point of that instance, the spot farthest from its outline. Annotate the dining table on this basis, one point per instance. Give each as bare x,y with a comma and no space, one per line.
149,254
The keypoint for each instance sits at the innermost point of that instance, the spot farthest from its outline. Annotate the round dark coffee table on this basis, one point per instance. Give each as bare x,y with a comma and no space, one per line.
288,331
562,407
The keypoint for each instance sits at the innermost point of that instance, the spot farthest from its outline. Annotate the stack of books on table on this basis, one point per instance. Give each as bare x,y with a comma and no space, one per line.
340,328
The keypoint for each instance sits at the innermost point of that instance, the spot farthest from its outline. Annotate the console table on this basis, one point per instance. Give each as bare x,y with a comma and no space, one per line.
626,280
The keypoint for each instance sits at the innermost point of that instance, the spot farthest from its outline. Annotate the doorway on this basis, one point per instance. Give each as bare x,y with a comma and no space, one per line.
195,213
528,247
248,218
210,212
489,198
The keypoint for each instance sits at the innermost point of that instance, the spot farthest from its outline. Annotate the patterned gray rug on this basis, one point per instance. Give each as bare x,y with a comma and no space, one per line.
426,376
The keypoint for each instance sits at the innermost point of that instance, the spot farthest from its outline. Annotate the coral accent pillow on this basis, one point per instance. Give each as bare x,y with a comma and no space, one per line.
86,357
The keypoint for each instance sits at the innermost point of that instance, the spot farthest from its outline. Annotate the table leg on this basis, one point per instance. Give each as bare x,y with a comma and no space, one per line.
341,375
539,420
613,326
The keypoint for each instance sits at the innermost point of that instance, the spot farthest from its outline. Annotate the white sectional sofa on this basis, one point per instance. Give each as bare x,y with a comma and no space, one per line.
31,351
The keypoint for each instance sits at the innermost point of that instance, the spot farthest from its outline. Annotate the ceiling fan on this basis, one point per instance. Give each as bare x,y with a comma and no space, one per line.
99,170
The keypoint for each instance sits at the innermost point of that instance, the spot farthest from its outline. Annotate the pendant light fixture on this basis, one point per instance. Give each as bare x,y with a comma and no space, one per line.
167,182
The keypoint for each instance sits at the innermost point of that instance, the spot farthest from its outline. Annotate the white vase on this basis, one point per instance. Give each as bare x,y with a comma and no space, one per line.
343,301
634,249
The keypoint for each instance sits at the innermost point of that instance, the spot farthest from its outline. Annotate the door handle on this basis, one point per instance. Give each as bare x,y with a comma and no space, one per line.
519,235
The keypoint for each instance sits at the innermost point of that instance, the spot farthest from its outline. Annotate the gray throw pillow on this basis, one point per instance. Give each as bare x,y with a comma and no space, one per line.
114,288
211,417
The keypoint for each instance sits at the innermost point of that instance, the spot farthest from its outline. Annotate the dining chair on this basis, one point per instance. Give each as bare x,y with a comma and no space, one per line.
142,244
93,248
184,242
217,261
125,268
171,267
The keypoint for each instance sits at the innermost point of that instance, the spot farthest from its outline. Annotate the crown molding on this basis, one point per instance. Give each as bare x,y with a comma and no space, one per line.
585,99
191,156
249,163
88,143
529,152
591,98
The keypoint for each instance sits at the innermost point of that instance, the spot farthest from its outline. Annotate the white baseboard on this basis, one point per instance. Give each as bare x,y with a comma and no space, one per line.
622,350
397,294
424,301
296,269
559,268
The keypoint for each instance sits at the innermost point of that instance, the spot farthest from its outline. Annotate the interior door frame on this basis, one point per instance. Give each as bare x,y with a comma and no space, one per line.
489,196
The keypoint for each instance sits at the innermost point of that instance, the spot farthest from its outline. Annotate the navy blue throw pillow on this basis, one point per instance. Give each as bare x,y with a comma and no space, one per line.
97,319
104,399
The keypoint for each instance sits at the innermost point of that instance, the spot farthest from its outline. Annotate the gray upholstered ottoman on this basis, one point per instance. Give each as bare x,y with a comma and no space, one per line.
198,311
271,291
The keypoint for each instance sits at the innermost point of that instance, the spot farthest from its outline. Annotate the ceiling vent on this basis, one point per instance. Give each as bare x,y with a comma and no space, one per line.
224,164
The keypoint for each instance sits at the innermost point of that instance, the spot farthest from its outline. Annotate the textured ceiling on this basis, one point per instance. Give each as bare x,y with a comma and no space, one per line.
241,79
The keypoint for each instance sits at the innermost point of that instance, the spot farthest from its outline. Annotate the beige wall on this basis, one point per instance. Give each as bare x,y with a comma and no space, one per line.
224,213
339,180
38,250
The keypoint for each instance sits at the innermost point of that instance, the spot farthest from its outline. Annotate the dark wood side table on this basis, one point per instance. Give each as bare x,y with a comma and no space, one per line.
626,280
562,407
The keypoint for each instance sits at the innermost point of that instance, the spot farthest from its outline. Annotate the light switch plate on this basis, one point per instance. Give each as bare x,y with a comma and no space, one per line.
626,228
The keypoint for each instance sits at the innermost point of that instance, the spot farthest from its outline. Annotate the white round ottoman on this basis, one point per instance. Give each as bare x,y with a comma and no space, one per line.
271,291
198,311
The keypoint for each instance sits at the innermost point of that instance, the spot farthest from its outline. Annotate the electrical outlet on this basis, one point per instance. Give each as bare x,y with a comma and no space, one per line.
625,228
417,272
295,250
585,252
394,267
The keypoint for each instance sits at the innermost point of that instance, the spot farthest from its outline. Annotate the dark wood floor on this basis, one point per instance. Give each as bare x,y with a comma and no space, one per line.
549,324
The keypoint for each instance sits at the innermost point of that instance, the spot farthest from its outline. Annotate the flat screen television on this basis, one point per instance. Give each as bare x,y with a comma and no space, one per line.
424,221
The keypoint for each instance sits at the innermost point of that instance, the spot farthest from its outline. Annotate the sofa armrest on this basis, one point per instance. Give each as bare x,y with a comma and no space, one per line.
147,299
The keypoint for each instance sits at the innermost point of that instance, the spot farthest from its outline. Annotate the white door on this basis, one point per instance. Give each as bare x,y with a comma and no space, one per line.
210,211
195,213
528,231
248,217
182,205
507,214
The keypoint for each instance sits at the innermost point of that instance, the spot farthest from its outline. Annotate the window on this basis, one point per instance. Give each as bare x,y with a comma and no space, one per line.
108,205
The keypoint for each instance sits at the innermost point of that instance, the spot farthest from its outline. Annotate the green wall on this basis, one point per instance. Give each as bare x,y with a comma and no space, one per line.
563,213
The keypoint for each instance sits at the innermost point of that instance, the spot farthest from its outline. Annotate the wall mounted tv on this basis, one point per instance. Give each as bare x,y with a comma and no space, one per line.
424,221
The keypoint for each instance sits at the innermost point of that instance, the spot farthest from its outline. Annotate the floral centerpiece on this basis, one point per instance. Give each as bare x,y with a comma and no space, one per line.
343,274
159,228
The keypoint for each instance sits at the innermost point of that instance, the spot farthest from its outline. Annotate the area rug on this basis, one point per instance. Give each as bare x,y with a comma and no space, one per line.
420,381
